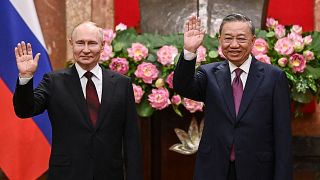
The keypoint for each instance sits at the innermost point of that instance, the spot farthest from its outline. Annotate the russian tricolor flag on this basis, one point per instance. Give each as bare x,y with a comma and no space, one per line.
24,144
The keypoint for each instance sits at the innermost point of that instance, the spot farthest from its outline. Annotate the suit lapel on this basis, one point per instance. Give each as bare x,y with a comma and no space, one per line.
223,76
255,77
73,85
108,84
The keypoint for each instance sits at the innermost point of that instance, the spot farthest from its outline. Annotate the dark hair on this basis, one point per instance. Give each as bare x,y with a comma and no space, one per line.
234,17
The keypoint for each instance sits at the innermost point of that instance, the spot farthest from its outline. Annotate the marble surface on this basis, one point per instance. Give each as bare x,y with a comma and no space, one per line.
77,11
168,16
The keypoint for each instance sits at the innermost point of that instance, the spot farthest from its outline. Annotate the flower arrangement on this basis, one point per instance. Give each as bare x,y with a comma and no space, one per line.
150,60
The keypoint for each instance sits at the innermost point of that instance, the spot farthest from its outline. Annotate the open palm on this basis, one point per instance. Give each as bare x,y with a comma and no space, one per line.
27,65
193,34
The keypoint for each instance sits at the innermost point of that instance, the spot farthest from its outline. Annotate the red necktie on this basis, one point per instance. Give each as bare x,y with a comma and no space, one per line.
92,98
237,88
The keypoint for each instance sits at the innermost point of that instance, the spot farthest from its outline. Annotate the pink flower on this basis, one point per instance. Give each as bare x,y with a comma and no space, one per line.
121,27
280,31
147,71
282,62
284,46
271,23
166,55
137,51
170,79
307,40
296,29
201,54
298,43
220,53
297,63
138,93
109,35
192,105
263,58
119,65
106,53
159,98
159,83
308,55
260,47
176,100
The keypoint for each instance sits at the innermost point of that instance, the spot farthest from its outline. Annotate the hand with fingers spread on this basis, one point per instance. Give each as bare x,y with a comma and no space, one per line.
193,34
27,65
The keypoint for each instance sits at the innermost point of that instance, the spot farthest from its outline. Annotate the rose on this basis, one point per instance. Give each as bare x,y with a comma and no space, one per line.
159,98
192,105
263,58
170,79
159,83
147,72
166,55
260,47
296,29
297,63
176,100
119,65
298,42
121,27
280,31
108,35
284,46
282,62
307,40
271,23
138,93
308,55
106,53
137,51
201,54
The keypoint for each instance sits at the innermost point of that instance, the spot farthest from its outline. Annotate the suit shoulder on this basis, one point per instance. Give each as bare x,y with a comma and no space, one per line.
117,75
212,65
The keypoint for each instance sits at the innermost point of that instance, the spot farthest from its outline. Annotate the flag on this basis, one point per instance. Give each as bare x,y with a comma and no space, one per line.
24,143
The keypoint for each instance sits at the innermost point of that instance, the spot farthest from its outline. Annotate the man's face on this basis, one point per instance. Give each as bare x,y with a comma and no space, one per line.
87,46
236,41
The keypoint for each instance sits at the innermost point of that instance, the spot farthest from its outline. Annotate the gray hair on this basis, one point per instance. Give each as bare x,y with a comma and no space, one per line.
234,17
100,30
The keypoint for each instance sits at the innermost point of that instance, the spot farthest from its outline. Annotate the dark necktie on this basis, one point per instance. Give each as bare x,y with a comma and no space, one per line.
237,89
92,98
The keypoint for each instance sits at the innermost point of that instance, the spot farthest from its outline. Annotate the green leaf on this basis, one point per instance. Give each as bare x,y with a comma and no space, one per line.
176,110
213,54
117,47
315,72
151,58
270,34
144,109
261,33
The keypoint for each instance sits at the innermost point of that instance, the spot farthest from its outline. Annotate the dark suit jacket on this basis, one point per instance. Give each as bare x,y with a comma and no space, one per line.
80,151
261,132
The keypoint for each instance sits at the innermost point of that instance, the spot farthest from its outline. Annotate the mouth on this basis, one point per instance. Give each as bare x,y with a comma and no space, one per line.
234,53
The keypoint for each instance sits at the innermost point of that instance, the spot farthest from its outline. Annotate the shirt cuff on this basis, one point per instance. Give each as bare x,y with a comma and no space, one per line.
24,81
189,55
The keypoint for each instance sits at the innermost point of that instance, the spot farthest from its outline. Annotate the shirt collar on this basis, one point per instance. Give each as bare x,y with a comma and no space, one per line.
96,71
245,66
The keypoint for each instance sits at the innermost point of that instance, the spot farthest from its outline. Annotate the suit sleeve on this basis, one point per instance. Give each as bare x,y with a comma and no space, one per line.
132,144
188,83
28,102
282,130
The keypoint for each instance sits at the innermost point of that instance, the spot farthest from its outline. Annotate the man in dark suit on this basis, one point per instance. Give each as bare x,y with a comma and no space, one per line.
92,112
247,133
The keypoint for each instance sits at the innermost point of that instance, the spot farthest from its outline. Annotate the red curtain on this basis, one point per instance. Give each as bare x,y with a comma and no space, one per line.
289,12
127,12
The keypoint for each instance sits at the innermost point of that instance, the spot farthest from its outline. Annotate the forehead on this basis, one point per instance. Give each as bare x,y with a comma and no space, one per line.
86,32
236,28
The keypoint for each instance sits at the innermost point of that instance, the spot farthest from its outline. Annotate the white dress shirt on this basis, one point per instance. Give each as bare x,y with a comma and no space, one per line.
244,66
96,78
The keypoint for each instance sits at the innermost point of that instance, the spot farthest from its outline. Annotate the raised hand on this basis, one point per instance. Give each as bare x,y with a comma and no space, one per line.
193,34
27,65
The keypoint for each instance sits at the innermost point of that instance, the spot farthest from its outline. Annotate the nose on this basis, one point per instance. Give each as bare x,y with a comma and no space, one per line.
86,48
234,43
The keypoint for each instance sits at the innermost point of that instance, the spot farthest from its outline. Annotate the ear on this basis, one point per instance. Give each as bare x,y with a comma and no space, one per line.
102,45
70,41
